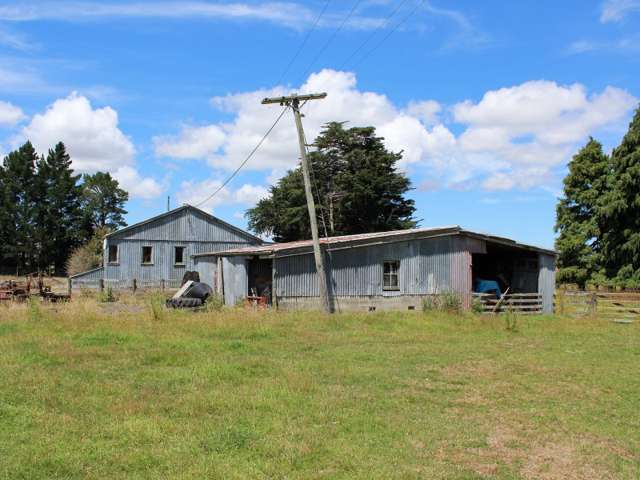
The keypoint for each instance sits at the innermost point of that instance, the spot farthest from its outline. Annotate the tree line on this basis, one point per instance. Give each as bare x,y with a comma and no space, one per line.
598,217
47,211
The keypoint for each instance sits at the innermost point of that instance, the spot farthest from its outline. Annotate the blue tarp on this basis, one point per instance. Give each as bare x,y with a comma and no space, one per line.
487,286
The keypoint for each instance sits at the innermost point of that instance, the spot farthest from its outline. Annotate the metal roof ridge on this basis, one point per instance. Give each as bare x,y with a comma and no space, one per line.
186,206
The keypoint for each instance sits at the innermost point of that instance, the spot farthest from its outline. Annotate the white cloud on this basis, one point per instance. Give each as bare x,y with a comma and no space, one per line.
533,127
10,114
92,135
192,143
251,194
93,139
193,193
427,111
512,137
137,185
616,10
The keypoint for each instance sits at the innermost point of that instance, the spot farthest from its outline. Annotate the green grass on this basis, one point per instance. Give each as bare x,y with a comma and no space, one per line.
90,391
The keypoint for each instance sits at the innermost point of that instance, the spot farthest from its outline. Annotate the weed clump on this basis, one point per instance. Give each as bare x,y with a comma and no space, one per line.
157,306
477,306
107,296
449,302
510,321
214,303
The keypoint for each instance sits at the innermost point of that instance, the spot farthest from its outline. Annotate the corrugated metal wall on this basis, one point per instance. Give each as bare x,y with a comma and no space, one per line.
432,265
188,228
547,280
187,225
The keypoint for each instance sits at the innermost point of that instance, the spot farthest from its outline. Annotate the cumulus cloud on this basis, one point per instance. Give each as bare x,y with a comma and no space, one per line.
193,142
137,185
533,127
93,139
512,137
193,193
616,10
10,114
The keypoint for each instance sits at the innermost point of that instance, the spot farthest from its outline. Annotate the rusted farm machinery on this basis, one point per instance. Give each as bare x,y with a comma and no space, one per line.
33,286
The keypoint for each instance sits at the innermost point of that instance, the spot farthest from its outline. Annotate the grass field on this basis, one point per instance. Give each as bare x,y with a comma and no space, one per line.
115,391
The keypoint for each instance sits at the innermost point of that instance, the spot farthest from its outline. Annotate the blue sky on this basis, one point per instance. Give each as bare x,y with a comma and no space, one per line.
488,100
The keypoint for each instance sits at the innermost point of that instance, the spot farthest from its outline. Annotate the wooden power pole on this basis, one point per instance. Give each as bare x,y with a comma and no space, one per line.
293,101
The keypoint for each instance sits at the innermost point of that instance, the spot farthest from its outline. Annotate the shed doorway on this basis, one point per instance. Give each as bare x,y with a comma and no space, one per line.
261,278
511,268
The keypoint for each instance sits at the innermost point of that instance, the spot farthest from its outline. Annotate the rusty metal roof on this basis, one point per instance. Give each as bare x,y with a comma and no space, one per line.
363,239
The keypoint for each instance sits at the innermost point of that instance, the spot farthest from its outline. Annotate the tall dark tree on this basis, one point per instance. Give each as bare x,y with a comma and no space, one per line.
61,222
102,203
356,185
578,215
621,210
20,202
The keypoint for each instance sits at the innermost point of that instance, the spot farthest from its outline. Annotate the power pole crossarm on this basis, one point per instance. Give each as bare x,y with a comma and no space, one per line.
288,100
293,101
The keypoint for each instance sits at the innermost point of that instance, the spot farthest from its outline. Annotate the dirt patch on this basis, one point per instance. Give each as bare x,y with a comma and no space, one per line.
517,450
472,368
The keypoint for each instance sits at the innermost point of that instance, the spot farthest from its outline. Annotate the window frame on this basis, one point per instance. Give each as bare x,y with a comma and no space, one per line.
395,273
150,262
175,258
117,260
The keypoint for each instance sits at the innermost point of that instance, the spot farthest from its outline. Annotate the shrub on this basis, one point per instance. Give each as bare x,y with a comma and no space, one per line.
107,295
87,256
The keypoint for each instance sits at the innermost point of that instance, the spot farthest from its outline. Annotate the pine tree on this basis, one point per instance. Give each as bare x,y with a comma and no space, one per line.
102,203
578,217
355,183
61,217
621,211
20,205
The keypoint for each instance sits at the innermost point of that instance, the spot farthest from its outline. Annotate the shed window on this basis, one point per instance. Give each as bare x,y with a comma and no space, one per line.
390,275
179,255
147,255
113,254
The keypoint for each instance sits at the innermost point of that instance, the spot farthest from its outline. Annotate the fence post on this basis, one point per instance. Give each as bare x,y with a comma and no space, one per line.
101,285
162,285
134,285
69,285
593,304
560,300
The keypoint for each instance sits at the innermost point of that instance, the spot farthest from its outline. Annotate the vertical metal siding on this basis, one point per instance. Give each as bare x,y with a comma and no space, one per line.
236,281
425,267
186,225
188,228
547,280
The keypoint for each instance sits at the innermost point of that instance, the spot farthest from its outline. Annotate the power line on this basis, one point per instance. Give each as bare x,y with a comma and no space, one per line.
389,33
304,42
373,34
255,149
331,38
